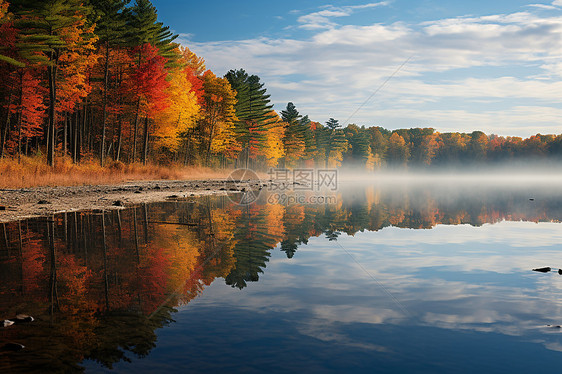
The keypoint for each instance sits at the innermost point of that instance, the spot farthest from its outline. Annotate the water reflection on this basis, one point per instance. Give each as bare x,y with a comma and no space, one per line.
100,284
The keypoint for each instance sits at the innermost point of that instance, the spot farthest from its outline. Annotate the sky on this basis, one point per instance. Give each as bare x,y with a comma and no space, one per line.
453,65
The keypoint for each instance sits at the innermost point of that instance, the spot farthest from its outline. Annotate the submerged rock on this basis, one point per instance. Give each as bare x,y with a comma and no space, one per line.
17,320
22,318
7,323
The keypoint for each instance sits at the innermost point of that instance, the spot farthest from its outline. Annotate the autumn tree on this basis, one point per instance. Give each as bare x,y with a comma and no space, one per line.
52,29
8,70
477,146
7,33
398,152
219,114
378,139
144,29
150,85
274,148
31,108
181,115
111,30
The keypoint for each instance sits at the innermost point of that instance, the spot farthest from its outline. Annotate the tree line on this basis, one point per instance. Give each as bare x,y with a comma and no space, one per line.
104,79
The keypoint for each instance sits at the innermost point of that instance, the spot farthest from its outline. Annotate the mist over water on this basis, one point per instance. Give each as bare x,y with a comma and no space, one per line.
546,173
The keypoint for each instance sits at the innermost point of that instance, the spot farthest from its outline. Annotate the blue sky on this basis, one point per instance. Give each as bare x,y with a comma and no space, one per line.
494,66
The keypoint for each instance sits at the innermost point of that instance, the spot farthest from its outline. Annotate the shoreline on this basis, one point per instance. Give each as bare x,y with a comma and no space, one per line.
21,204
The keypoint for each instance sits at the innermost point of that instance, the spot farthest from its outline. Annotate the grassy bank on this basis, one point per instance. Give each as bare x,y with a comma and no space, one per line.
33,172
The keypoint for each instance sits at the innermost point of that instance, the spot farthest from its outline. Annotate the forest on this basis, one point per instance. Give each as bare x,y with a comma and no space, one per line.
104,80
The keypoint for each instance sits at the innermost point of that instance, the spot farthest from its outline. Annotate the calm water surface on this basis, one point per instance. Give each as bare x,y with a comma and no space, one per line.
399,278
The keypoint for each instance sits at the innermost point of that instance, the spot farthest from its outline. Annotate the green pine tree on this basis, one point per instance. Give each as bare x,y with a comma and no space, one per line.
253,109
333,140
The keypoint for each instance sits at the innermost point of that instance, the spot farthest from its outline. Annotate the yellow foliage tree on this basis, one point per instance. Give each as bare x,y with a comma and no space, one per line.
183,111
218,115
273,148
75,62
196,63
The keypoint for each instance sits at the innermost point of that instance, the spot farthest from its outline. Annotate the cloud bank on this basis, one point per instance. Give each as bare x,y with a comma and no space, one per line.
499,73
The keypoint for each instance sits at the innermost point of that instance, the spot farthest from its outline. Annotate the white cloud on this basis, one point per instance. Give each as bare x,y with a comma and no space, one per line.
322,19
542,6
332,72
557,3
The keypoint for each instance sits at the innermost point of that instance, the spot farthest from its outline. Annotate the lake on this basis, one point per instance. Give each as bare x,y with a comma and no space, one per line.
429,277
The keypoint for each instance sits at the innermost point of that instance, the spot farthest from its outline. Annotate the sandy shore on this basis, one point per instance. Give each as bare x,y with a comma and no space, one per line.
42,201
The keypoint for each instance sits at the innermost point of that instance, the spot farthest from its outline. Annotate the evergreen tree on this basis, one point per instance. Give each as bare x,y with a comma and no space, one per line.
333,141
252,249
253,110
294,139
309,142
290,114
359,150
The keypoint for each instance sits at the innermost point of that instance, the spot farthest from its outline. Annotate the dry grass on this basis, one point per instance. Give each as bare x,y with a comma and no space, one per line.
34,172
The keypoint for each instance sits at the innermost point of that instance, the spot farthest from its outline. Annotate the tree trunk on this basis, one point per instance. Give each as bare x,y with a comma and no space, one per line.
53,292
75,127
82,131
51,75
135,131
105,275
119,140
19,116
187,158
65,136
104,111
137,115
208,157
6,123
145,147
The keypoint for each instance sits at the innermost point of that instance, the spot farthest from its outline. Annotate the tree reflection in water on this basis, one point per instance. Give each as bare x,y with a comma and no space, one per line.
100,284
